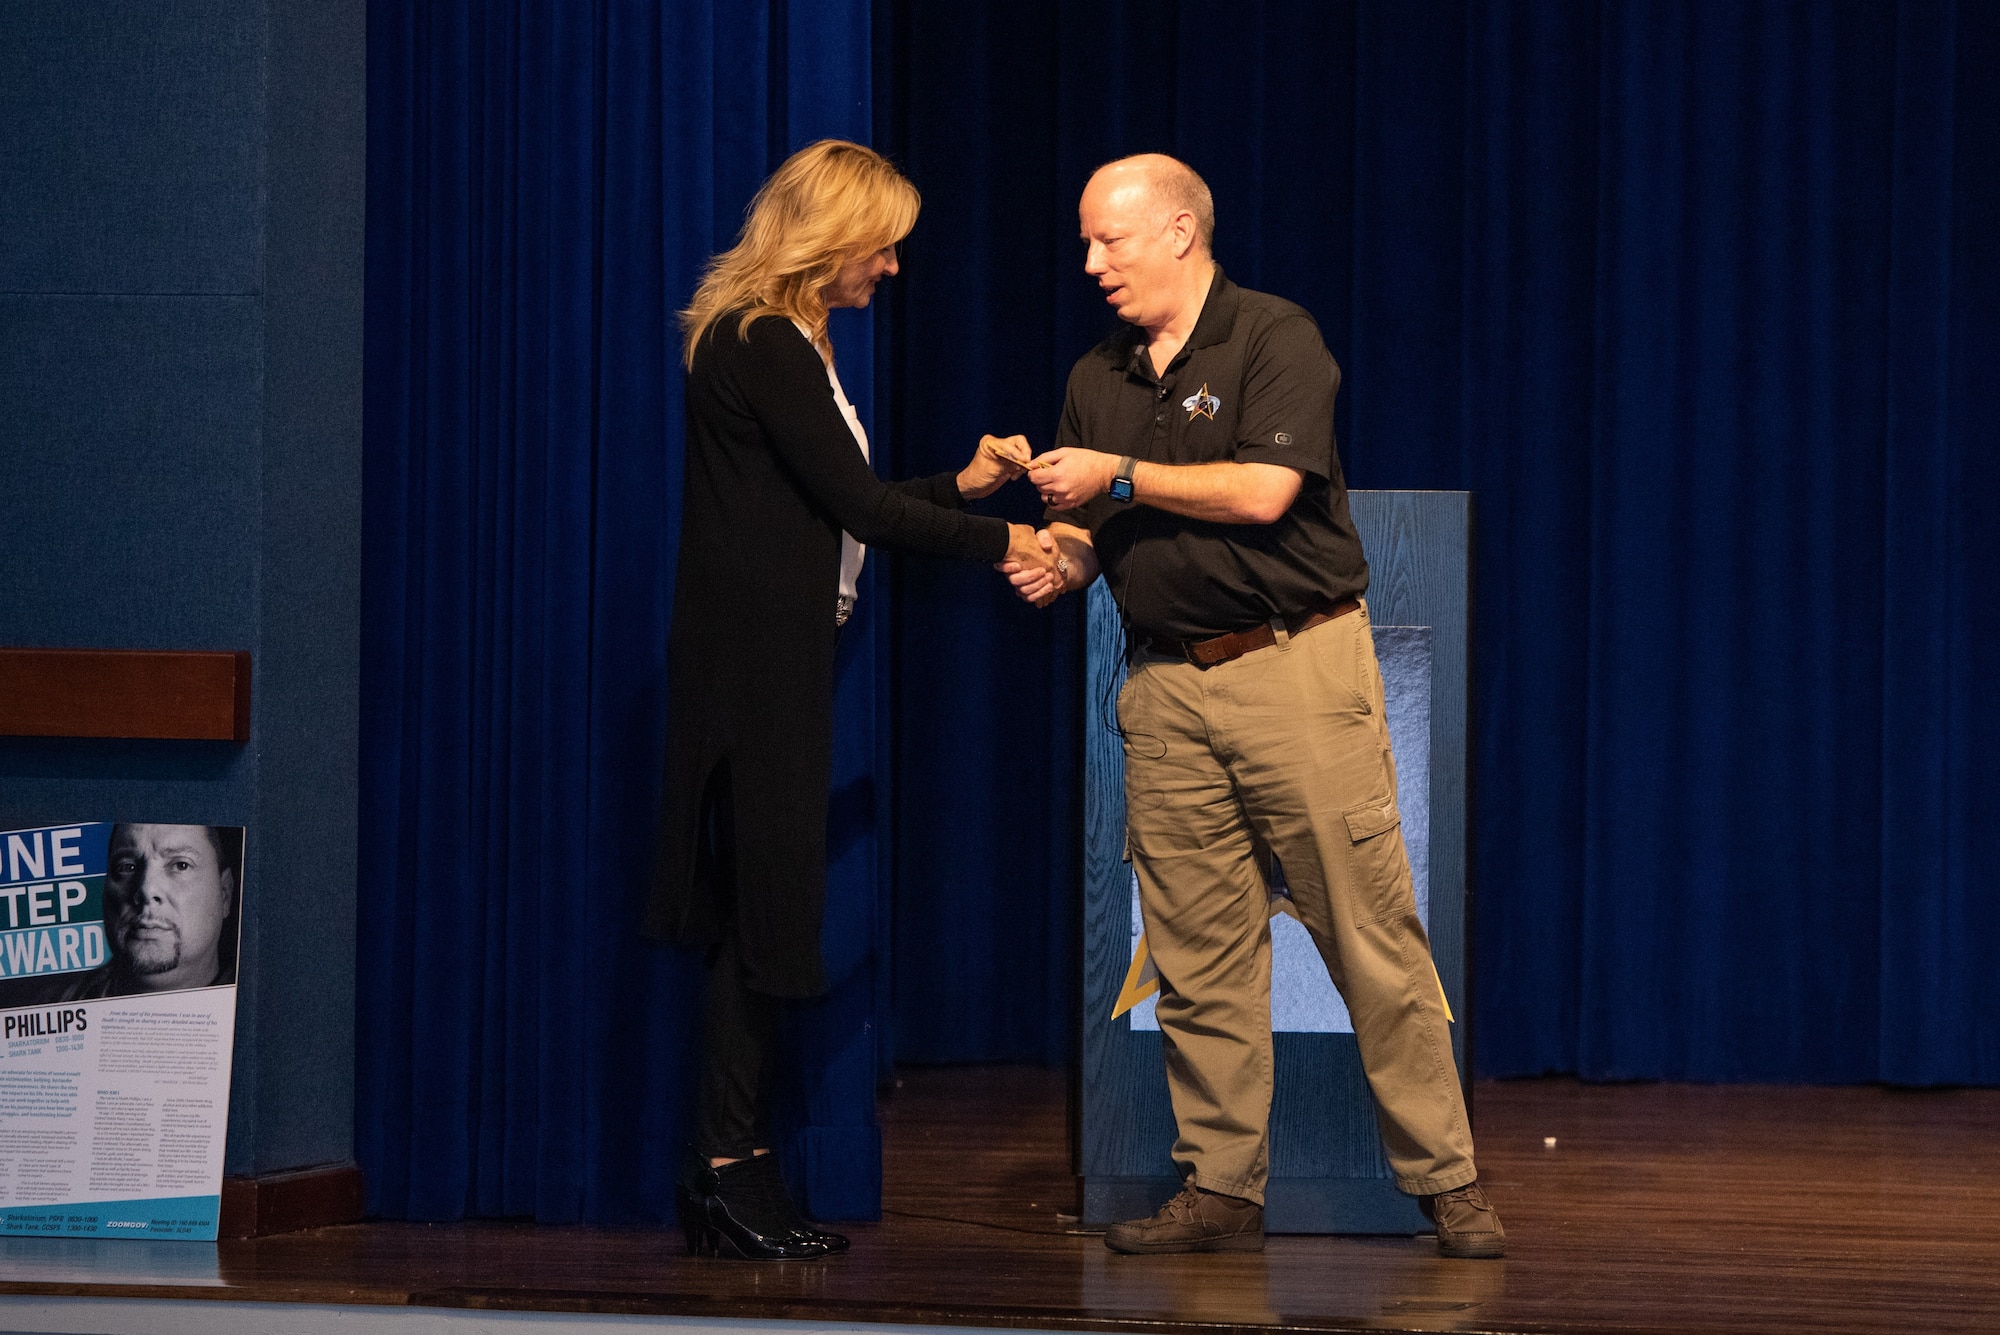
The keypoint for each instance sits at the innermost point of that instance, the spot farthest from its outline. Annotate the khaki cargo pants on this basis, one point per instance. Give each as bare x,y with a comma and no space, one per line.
1284,749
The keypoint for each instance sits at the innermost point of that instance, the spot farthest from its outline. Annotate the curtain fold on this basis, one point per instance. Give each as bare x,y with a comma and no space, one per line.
985,714
544,183
1940,916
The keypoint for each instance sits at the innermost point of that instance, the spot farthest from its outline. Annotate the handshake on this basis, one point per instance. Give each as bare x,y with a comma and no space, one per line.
1036,563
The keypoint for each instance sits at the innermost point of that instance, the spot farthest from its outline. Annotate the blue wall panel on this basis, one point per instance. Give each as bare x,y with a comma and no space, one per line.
131,145
180,293
300,994
128,483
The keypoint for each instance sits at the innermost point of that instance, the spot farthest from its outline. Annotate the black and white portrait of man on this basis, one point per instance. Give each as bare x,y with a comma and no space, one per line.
171,896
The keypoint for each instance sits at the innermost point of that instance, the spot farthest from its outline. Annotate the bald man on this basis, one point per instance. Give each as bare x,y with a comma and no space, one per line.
1195,469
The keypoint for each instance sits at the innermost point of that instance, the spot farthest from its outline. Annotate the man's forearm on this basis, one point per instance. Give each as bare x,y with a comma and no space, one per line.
1223,493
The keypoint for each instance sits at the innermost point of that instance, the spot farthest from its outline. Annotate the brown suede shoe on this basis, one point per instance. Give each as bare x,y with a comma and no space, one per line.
1194,1221
1468,1227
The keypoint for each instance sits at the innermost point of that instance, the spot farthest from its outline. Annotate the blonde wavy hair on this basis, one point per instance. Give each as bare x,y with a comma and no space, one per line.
829,203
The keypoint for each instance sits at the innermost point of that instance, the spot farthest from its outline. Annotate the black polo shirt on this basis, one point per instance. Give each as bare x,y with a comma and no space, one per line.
1256,385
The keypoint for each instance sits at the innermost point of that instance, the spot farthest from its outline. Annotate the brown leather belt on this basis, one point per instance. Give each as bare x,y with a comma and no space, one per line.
1223,648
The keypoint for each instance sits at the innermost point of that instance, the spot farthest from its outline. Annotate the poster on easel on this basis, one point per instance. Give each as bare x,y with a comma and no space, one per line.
118,951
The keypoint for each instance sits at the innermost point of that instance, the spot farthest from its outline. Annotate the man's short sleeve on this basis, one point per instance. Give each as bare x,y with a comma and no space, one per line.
1289,385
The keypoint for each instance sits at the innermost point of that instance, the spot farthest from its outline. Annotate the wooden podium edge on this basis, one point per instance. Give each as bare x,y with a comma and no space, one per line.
290,1202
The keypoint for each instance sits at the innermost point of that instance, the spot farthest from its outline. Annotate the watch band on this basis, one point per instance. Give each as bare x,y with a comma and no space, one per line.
1121,485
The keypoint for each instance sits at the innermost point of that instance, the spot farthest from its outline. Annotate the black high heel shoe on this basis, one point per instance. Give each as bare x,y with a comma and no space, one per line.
741,1209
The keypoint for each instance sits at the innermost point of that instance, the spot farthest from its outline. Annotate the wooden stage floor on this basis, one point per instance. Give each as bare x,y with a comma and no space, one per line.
1661,1208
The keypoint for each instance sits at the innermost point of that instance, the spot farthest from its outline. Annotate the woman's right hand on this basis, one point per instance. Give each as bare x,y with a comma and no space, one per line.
1034,564
997,461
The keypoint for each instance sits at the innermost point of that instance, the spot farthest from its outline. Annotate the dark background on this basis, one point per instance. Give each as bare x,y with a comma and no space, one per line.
1692,296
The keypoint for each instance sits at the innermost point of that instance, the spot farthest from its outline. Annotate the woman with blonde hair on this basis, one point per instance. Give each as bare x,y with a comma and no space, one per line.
780,506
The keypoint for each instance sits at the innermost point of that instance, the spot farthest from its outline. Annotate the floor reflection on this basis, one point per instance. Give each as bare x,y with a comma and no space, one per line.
107,1261
1301,1280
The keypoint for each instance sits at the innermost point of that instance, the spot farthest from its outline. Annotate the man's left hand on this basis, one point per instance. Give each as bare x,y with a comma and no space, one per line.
1069,477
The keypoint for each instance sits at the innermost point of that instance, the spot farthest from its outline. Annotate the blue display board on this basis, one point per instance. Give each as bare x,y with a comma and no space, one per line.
1328,1173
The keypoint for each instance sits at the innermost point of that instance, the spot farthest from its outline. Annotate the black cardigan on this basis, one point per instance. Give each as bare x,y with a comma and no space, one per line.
773,478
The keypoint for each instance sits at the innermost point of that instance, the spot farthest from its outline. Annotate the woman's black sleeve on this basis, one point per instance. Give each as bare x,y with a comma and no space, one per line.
938,489
784,384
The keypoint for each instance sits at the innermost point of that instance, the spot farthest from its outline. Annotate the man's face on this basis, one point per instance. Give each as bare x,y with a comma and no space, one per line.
166,897
1134,249
855,283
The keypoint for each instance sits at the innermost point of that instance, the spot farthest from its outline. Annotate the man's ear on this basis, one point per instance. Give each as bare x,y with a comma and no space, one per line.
1185,232
228,883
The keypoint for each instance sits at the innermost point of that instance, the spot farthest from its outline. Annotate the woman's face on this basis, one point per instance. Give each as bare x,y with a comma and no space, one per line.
855,283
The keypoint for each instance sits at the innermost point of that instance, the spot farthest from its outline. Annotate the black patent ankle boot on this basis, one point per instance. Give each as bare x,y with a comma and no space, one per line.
774,1184
741,1209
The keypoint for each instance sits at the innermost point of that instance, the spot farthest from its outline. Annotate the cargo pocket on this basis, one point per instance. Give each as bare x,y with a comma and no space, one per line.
1381,867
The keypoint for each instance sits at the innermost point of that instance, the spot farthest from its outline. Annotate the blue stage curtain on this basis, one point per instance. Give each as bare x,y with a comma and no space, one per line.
544,182
1700,298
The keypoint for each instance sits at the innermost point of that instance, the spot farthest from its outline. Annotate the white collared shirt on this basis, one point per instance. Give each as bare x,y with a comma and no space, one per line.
852,553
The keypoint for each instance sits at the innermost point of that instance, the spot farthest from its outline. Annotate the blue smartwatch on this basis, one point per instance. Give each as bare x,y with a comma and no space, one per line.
1121,486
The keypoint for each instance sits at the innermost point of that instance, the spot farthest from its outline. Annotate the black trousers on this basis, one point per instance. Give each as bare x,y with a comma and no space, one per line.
739,1025
738,1043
